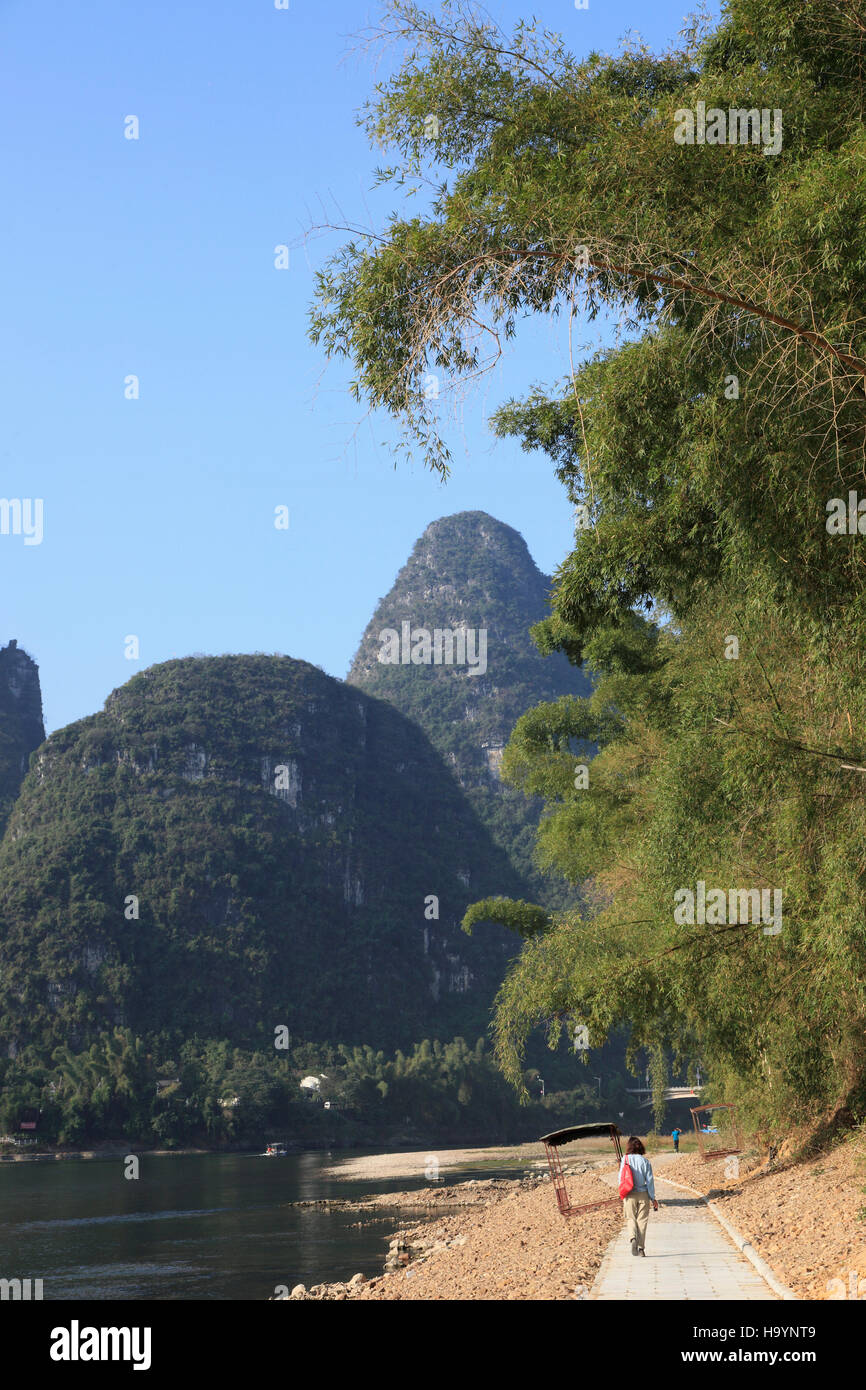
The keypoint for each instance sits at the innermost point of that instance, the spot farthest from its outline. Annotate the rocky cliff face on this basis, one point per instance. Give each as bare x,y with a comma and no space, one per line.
473,578
21,726
240,844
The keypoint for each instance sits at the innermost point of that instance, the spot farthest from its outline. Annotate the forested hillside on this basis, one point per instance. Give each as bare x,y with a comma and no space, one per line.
237,844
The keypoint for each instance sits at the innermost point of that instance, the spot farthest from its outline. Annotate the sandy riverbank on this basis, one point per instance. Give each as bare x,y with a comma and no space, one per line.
424,1163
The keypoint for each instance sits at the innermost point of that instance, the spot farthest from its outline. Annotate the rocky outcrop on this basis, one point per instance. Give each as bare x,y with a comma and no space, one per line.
21,726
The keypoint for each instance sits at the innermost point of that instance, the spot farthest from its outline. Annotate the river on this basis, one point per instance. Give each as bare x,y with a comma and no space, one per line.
191,1226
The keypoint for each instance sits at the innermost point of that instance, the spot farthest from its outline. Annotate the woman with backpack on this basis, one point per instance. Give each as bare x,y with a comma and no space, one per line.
637,1189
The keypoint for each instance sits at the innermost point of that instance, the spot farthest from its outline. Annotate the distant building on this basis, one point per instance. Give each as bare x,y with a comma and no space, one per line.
312,1085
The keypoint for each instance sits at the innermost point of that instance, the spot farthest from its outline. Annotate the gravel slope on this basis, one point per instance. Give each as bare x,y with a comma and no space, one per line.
804,1218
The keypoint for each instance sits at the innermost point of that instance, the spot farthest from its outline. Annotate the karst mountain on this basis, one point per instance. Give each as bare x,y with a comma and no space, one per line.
473,574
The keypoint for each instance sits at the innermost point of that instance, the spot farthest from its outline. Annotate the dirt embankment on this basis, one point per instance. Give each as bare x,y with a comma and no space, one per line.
511,1243
807,1219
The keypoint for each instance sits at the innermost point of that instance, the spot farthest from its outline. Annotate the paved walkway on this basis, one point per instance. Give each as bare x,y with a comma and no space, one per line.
688,1256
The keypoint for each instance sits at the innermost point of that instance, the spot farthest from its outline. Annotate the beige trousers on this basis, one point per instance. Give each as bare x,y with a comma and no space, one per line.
636,1208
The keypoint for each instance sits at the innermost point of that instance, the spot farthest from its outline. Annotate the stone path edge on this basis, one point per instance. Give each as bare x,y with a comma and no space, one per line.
743,1245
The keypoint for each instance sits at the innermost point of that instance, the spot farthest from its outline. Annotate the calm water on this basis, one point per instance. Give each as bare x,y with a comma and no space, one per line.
214,1226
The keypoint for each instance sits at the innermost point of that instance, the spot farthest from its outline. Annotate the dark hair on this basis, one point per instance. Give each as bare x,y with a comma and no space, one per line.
634,1146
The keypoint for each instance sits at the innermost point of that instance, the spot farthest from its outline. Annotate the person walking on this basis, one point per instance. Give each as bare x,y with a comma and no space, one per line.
675,1135
636,1205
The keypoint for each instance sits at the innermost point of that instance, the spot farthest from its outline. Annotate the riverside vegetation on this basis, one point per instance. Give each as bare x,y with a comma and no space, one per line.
723,618
210,1094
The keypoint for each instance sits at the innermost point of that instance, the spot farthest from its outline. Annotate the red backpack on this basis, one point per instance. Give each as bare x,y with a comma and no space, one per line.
626,1178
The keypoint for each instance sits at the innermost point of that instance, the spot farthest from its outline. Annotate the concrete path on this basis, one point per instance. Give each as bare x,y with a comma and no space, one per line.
688,1256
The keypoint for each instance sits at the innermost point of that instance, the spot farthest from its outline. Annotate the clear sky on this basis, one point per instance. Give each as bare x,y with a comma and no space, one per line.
155,258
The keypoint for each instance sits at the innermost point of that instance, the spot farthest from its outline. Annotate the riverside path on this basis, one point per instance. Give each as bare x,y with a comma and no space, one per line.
688,1256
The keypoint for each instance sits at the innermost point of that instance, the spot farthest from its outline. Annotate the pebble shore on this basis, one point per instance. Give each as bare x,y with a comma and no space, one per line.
496,1239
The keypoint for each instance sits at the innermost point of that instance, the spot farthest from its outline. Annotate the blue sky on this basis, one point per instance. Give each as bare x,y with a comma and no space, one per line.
155,257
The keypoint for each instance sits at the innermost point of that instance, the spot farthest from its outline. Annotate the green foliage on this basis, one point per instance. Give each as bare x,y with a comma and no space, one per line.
525,918
756,260
721,772
703,450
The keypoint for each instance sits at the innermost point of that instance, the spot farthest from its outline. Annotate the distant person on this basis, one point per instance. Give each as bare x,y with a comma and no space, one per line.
675,1135
636,1205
